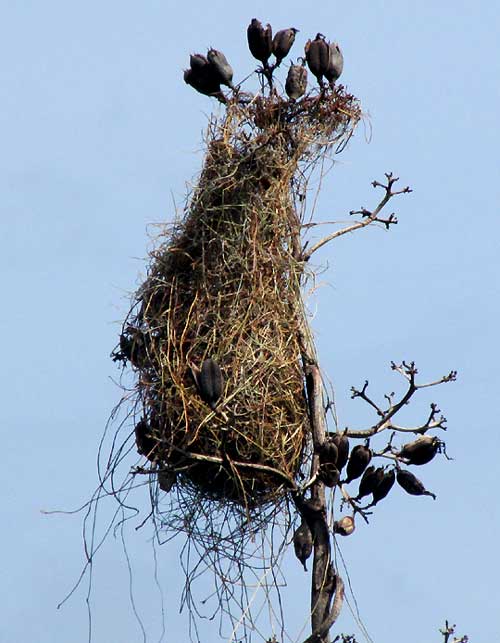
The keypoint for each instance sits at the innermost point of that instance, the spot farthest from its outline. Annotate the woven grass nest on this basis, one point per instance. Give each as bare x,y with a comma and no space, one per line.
225,283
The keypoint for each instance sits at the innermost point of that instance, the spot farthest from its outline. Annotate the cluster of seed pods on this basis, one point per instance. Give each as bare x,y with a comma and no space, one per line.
335,455
207,73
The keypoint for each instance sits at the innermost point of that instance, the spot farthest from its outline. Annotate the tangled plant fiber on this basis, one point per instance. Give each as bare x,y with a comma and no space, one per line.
226,284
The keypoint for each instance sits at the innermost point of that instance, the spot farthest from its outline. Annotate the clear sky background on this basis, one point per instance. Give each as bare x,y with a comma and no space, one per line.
99,135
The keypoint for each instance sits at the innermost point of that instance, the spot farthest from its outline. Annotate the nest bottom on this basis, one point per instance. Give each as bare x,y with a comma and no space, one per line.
224,481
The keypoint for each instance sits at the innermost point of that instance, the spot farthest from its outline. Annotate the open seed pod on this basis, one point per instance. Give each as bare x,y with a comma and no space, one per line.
345,526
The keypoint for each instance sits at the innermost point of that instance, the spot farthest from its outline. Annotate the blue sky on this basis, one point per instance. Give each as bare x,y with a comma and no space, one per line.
99,137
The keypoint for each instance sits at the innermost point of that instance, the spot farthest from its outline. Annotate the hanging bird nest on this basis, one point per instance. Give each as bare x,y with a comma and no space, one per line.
225,283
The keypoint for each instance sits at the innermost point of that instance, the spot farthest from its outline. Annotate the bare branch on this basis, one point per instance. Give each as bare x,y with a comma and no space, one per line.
355,507
219,460
322,632
363,396
316,224
327,589
409,372
368,216
448,631
321,592
356,226
391,219
431,423
312,480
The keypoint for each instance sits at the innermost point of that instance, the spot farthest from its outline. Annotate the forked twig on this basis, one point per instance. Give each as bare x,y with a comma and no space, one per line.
368,216
409,372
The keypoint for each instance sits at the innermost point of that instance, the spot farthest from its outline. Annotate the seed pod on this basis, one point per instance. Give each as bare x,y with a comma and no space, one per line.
133,346
282,43
341,441
328,452
384,486
210,382
126,345
204,84
318,57
420,451
260,41
197,62
296,81
328,474
221,68
335,63
366,482
303,543
412,485
370,480
203,77
345,526
358,461
145,443
166,479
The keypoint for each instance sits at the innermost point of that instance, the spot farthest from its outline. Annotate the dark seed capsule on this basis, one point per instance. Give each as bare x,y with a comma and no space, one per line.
318,57
145,443
341,441
384,486
166,480
358,461
328,452
296,81
260,41
221,68
412,485
328,474
126,346
370,480
203,84
210,382
345,526
335,63
203,77
282,43
366,482
197,62
303,543
420,451
133,347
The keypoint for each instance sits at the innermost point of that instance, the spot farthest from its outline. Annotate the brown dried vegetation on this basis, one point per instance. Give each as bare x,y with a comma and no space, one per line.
226,284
